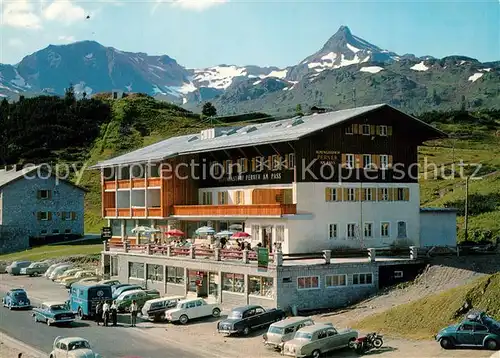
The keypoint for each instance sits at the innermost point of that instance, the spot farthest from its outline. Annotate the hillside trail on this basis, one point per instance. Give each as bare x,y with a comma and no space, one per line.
440,275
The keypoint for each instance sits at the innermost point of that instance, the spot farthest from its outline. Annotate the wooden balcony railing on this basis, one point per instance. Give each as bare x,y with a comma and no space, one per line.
154,182
110,212
123,184
123,212
136,212
138,183
234,210
156,212
109,185
134,183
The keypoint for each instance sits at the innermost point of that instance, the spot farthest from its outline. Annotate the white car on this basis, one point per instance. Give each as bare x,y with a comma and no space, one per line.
59,271
192,309
72,347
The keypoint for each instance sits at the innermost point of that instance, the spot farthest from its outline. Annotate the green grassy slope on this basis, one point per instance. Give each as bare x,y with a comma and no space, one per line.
422,319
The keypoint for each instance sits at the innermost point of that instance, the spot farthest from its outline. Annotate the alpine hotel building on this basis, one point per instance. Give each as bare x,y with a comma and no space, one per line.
332,180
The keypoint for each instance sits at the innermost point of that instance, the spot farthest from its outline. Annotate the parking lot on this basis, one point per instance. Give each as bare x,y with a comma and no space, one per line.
201,339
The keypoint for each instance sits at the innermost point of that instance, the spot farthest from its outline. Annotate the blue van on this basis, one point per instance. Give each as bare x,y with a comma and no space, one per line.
83,297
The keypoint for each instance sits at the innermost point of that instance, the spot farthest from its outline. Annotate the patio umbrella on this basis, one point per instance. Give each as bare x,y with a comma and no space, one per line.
144,230
225,233
175,232
241,234
235,227
204,230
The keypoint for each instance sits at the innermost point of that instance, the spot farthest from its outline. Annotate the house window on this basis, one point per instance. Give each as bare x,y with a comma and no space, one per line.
367,161
365,129
215,169
335,280
240,197
384,194
256,232
398,274
136,270
362,279
206,198
259,166
350,161
382,130
351,231
175,275
401,194
276,162
55,231
401,229
384,161
261,286
368,230
384,229
233,282
44,194
222,197
228,167
368,194
43,232
44,215
348,129
291,160
331,194
242,165
332,231
308,283
280,233
67,216
155,272
67,231
351,194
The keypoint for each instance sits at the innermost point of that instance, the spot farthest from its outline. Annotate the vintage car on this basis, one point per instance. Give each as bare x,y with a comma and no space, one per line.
72,347
16,298
35,269
474,331
68,273
109,282
189,309
242,320
59,271
155,309
53,313
283,331
313,341
121,289
52,268
124,301
77,277
16,267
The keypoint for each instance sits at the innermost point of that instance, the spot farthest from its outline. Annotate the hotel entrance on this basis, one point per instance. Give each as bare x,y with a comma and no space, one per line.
197,283
267,237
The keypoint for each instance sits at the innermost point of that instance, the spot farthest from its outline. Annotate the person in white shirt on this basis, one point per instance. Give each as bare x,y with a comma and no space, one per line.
133,313
105,313
114,313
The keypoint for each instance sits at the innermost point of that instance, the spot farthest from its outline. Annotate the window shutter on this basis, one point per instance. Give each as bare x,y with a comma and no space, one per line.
355,129
345,194
327,194
392,192
363,194
379,130
389,130
380,194
376,160
390,161
357,159
49,215
338,194
406,194
357,194
373,129
254,164
344,160
73,215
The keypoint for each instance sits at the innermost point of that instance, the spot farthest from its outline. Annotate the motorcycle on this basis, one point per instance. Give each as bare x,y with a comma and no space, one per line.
363,344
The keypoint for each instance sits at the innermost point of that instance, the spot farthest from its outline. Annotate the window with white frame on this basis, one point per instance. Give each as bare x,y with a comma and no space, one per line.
291,161
368,194
44,194
256,232
335,280
367,161
228,167
276,162
280,233
383,130
67,231
215,168
43,232
398,274
368,231
55,231
43,215
365,129
384,229
384,194
308,283
259,164
351,231
401,194
332,231
331,194
206,198
222,197
362,279
350,161
348,129
242,165
351,194
384,161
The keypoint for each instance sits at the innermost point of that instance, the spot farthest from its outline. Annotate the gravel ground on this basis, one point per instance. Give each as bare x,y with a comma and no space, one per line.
10,350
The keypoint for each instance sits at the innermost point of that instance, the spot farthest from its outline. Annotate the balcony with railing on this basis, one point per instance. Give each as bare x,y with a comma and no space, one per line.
134,212
136,183
255,210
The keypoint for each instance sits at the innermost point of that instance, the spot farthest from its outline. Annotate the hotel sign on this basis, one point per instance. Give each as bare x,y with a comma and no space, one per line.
327,156
252,177
262,259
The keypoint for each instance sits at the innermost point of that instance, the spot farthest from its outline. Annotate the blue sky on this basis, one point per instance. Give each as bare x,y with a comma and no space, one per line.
202,33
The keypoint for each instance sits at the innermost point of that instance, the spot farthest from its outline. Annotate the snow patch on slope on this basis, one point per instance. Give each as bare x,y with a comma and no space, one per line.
352,48
419,67
179,91
485,69
219,76
476,76
371,69
328,62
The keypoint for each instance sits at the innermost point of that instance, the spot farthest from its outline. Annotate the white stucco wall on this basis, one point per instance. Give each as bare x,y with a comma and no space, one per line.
438,228
233,189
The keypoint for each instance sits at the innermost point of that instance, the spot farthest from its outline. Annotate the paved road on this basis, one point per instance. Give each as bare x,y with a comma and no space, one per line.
110,342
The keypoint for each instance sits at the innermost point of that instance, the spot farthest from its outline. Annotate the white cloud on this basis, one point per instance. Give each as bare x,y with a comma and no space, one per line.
64,11
20,13
13,42
196,5
66,39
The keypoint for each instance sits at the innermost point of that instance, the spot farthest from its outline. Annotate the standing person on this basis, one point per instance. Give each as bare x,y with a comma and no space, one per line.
133,313
98,312
114,313
105,313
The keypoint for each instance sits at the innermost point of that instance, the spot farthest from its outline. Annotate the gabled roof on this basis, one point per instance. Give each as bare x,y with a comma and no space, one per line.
8,176
251,135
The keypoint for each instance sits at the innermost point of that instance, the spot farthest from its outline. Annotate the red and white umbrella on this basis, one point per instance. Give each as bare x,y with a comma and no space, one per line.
241,234
175,232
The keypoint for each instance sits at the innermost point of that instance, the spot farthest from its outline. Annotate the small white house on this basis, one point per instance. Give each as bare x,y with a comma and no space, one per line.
438,227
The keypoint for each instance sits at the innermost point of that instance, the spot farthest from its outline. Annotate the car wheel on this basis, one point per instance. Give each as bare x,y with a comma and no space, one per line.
183,319
80,313
48,322
378,342
10,306
35,318
446,343
352,343
316,354
216,312
246,331
491,344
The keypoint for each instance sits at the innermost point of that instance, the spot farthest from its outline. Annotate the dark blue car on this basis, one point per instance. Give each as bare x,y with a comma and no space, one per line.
16,298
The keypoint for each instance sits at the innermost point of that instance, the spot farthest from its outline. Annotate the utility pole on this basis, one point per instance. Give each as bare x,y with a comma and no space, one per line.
466,210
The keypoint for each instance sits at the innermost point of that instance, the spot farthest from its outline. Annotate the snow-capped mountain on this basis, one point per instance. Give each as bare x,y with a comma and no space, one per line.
92,67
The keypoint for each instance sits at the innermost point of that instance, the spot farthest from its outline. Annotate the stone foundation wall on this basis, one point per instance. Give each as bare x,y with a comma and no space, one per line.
13,239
